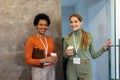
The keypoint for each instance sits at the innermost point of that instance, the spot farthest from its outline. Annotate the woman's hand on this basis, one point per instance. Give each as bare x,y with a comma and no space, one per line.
107,44
69,51
50,59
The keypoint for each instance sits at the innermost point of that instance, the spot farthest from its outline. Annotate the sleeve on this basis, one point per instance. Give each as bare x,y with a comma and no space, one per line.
28,53
64,49
94,53
53,43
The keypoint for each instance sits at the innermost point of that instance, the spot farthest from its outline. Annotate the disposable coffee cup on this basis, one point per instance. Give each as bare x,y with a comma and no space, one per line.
70,47
53,54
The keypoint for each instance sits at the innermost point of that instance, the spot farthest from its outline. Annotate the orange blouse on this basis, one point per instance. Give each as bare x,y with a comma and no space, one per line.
34,42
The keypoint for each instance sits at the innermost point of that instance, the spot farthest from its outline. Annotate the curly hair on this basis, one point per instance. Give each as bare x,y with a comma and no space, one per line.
41,16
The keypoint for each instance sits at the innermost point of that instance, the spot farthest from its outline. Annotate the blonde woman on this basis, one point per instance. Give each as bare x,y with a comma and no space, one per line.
78,46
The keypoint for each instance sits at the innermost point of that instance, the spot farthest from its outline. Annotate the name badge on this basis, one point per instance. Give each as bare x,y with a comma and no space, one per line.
47,63
76,60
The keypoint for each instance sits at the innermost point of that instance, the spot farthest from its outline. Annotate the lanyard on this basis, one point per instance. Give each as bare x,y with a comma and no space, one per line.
45,46
75,44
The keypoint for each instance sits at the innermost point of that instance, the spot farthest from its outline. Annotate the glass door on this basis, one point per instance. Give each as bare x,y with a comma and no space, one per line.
112,29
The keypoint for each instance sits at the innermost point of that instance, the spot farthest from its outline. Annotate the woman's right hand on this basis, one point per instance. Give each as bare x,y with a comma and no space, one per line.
69,51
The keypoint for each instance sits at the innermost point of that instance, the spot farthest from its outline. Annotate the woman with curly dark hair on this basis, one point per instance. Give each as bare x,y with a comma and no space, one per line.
43,67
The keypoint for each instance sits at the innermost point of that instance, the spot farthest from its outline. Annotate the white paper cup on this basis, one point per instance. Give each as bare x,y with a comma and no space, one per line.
70,47
53,54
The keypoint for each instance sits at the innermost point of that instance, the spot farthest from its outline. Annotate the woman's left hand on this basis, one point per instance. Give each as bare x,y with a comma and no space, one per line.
53,59
107,44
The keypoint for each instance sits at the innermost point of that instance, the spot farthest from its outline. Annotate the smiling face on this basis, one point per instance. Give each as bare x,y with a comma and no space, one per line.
75,23
42,26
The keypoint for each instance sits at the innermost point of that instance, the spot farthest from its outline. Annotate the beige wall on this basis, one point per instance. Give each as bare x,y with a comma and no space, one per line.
16,25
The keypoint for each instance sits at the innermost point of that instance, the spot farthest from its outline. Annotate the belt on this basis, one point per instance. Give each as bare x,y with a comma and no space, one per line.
82,61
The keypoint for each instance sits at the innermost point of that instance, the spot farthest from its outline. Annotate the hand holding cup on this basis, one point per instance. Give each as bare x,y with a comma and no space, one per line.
70,50
54,56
